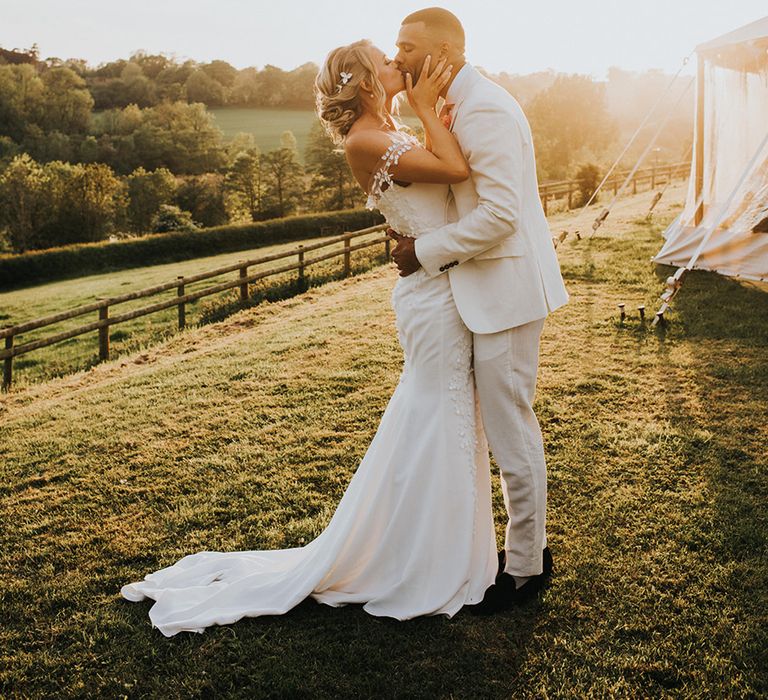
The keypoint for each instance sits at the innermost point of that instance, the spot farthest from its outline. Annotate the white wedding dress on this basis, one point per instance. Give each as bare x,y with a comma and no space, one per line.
413,533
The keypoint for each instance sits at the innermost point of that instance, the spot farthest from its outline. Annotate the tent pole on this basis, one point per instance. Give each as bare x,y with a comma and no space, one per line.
699,213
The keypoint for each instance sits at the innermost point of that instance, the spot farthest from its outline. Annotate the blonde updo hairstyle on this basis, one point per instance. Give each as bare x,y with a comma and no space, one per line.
338,109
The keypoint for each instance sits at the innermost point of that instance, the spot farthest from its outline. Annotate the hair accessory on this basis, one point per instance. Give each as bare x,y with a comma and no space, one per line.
344,80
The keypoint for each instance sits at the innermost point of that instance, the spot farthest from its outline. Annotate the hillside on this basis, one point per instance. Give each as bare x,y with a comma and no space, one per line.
243,434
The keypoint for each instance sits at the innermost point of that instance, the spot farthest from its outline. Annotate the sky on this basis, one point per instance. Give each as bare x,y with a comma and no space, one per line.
572,36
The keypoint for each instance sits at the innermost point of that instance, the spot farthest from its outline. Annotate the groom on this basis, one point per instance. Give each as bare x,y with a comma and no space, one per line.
505,279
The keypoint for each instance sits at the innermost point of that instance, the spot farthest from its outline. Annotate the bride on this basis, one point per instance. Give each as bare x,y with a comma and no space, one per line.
413,533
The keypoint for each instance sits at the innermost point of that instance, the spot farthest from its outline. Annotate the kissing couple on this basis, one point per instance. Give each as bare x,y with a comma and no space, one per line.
414,533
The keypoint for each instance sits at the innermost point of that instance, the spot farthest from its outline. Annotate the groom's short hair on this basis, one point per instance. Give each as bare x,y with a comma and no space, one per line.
441,21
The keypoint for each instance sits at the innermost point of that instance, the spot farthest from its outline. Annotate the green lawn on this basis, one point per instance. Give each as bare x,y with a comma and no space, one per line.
243,434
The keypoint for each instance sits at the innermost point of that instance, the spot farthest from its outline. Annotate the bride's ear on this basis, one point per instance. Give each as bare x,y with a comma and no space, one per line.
364,87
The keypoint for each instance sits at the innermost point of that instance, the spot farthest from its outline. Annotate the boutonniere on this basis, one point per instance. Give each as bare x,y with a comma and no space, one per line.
445,115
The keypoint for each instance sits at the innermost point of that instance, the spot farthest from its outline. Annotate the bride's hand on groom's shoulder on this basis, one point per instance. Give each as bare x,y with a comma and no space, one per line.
423,95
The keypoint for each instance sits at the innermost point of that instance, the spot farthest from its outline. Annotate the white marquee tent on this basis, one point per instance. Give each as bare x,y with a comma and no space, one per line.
724,225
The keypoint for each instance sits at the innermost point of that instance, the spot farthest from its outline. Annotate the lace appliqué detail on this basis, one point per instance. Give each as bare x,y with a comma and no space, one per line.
460,385
466,406
382,175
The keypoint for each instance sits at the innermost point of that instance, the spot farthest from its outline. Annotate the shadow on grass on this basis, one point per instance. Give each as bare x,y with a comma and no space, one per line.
727,322
316,650
709,305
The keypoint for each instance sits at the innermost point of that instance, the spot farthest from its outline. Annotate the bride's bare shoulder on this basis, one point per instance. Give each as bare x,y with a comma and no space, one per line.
366,141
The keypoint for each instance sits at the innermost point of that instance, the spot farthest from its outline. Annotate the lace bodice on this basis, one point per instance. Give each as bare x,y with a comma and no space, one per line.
411,209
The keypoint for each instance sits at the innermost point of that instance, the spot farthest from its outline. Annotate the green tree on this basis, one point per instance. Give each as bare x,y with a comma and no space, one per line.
151,64
201,87
272,87
246,88
24,201
332,184
171,218
204,197
137,88
22,100
67,101
588,177
147,192
221,71
246,181
298,86
88,201
177,136
284,177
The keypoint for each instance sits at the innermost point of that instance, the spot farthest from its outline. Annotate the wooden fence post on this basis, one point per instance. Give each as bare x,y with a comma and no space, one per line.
104,332
543,195
301,266
634,184
386,248
653,177
346,257
8,364
244,285
570,195
182,305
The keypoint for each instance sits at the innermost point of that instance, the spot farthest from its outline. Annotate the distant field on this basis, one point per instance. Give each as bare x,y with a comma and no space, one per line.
267,125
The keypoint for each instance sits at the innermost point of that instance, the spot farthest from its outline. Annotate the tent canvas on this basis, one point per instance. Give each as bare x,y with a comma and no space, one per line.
724,224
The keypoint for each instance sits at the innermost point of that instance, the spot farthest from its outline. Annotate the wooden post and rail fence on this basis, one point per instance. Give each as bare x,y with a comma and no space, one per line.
548,192
652,176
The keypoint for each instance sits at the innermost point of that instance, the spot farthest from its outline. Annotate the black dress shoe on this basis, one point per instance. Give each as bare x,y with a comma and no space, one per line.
504,593
546,563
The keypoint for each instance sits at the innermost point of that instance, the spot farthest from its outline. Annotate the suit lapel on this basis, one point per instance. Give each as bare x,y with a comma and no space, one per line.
465,91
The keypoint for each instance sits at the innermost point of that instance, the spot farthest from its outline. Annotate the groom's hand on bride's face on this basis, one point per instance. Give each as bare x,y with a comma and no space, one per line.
404,253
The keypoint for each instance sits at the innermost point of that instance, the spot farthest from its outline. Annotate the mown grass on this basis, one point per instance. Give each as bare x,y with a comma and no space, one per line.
243,434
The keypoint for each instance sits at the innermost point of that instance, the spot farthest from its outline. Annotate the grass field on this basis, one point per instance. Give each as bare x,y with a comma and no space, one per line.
268,125
81,352
243,434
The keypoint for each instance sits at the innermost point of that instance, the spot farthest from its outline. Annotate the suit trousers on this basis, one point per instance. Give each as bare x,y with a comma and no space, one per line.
505,368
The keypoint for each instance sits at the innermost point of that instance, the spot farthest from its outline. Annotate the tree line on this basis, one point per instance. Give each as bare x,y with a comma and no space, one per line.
69,175
147,80
154,160
46,204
